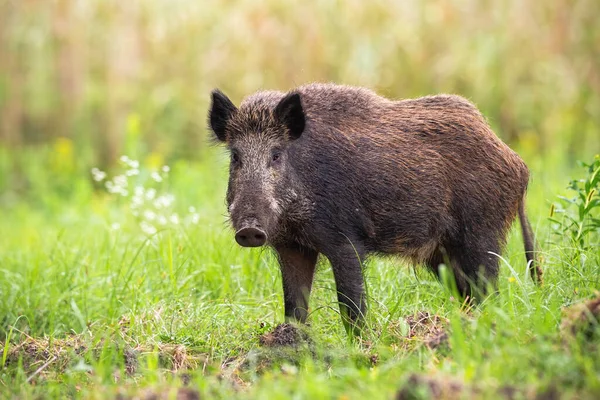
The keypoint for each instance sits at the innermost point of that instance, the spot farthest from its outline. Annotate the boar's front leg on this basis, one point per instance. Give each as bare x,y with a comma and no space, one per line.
297,269
346,262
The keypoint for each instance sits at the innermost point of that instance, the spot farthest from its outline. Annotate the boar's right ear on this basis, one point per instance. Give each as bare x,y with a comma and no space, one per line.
289,111
220,112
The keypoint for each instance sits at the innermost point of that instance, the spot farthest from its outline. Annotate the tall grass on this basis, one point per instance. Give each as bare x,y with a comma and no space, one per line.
114,310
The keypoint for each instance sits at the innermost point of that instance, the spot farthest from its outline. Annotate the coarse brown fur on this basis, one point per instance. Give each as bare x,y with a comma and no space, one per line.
340,171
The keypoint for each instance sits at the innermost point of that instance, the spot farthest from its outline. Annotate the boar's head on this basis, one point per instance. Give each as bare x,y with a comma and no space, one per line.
261,179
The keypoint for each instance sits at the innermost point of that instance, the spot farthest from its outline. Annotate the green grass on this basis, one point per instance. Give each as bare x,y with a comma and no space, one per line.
187,307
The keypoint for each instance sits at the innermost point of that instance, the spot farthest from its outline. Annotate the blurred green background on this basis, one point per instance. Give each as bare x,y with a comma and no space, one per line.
82,82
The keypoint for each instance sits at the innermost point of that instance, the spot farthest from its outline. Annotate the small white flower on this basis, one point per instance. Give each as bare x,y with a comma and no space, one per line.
174,219
195,218
139,190
156,176
149,215
192,209
150,193
147,228
165,169
124,159
164,201
98,175
136,201
134,164
120,180
115,226
158,203
162,220
132,172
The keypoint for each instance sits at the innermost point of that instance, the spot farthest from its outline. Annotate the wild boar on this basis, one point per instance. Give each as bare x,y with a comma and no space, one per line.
340,171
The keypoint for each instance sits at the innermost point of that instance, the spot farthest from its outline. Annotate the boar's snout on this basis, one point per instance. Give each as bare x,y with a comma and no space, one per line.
251,236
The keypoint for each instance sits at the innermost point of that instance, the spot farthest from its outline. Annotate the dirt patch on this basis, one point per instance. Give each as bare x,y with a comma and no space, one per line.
426,387
43,357
231,370
283,348
582,319
422,387
374,359
168,394
241,371
131,361
285,335
421,327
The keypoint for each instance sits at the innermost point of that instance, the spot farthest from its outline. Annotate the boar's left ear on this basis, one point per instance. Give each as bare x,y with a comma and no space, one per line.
289,111
220,112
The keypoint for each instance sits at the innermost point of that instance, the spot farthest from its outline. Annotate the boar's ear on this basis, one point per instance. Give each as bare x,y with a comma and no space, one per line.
220,112
289,111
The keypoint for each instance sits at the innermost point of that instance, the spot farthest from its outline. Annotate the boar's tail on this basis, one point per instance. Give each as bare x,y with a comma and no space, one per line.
534,269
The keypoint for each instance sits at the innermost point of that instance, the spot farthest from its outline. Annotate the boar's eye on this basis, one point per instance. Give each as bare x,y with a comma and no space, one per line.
235,157
276,157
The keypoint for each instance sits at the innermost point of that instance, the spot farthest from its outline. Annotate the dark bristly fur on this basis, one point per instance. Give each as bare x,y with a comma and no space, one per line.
340,171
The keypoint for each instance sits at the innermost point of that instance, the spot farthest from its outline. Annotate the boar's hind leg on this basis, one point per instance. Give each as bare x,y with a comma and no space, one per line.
478,266
346,262
442,256
297,270
472,264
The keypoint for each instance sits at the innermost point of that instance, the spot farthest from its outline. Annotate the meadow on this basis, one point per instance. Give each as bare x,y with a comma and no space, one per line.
96,304
120,277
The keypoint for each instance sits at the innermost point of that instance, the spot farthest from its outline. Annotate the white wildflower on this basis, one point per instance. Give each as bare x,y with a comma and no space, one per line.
164,201
120,180
137,201
147,228
98,175
115,188
156,176
150,193
158,203
149,215
151,207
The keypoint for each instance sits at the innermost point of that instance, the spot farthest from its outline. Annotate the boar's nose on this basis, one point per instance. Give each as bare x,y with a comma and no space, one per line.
250,237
